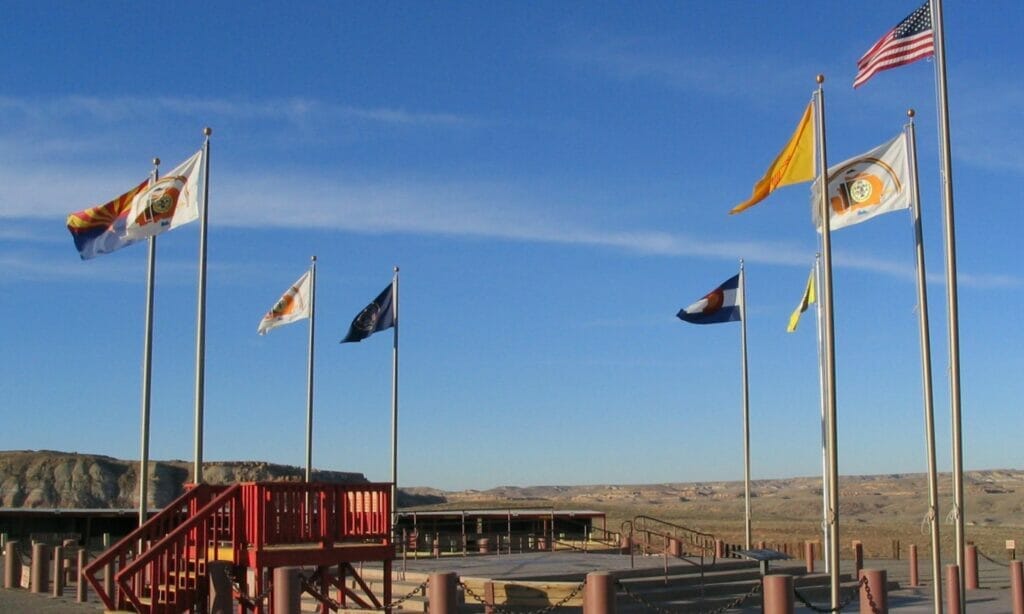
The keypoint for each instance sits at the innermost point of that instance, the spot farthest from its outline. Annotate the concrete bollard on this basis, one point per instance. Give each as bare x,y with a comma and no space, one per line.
953,589
287,591
858,557
436,548
38,576
778,594
12,565
599,593
971,567
219,601
915,579
82,588
1017,586
719,549
70,547
483,545
442,593
58,571
873,596
625,544
809,556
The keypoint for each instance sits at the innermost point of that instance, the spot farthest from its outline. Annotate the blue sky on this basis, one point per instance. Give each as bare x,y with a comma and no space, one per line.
553,180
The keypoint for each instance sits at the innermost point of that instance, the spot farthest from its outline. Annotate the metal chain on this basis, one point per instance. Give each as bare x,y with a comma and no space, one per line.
501,610
990,559
735,603
842,604
336,605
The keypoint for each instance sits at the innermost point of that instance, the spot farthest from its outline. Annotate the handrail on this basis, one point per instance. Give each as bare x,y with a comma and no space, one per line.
160,524
185,536
705,542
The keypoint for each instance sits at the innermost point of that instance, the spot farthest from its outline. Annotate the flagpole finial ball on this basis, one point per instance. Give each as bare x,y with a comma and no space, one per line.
313,258
156,161
820,79
396,268
207,131
910,113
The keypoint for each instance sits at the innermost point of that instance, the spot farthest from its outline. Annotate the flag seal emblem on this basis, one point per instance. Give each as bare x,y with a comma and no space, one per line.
860,185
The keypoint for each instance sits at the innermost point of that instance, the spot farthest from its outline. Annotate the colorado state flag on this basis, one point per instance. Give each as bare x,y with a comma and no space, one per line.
103,229
720,305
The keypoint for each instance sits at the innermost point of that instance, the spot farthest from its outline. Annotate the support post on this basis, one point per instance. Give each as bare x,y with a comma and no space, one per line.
58,571
858,557
40,565
778,594
873,596
971,567
81,586
12,566
1017,586
441,593
809,556
915,580
108,570
599,593
953,589
287,591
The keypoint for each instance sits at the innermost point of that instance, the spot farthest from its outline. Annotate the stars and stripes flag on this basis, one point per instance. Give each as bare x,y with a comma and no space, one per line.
910,41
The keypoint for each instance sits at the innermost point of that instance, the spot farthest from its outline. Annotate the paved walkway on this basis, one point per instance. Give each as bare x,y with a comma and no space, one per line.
992,598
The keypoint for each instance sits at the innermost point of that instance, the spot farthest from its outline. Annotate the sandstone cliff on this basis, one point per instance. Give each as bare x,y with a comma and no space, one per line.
47,479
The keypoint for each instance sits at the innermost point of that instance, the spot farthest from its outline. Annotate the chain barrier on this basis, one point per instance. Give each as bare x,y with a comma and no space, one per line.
735,603
505,610
247,601
308,586
990,559
842,604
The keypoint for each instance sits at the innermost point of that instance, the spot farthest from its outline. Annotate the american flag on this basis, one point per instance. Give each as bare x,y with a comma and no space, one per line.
908,42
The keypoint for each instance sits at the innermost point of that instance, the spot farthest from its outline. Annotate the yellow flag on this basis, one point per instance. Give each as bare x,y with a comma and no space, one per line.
794,164
810,296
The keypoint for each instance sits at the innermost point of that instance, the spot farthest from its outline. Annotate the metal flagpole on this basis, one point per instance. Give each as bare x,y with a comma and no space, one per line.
926,366
951,288
746,405
309,371
824,429
830,356
147,369
197,470
394,402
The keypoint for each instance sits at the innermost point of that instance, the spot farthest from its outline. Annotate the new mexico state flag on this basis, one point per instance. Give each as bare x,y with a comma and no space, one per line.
794,164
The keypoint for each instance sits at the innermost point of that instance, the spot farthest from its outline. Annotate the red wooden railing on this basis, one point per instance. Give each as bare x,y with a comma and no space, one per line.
292,513
178,543
176,565
124,551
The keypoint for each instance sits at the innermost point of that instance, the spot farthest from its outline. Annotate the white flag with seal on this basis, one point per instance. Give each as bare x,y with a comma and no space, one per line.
293,305
866,186
171,201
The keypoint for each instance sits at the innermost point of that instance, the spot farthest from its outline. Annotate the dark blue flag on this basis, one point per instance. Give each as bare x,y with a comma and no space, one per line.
376,316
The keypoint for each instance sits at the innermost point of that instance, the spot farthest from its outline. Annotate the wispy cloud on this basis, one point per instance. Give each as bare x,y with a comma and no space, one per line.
415,206
288,110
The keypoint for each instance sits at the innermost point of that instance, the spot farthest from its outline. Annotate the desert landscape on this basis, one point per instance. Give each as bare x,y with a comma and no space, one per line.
875,509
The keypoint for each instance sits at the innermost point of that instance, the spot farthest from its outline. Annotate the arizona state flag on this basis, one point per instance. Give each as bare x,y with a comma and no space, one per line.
810,296
794,164
293,305
103,229
376,316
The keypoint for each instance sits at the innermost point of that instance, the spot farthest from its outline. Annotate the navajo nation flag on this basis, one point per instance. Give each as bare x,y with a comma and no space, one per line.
910,41
103,229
